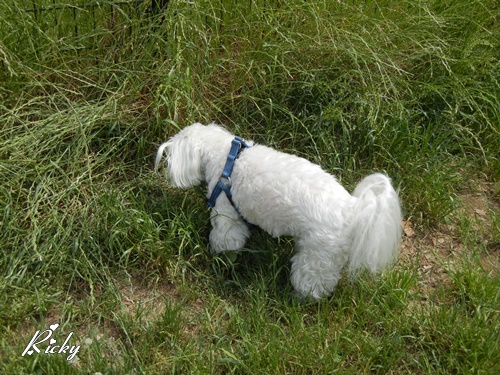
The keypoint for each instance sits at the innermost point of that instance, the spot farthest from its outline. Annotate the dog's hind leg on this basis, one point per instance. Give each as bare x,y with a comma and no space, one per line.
316,267
229,230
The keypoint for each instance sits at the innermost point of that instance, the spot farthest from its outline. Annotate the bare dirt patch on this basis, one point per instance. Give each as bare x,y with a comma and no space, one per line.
151,300
436,251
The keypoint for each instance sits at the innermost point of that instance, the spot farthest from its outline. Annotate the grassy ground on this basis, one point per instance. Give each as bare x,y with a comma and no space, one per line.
93,240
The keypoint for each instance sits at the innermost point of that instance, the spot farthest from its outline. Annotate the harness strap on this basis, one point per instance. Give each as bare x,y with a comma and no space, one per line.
224,183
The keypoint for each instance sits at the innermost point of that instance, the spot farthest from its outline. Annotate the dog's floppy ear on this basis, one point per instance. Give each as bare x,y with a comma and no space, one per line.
183,161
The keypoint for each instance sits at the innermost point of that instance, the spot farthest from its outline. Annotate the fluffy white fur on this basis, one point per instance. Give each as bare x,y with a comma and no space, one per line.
288,195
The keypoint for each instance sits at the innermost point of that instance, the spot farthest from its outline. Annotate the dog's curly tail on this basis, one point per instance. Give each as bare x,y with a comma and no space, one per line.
376,226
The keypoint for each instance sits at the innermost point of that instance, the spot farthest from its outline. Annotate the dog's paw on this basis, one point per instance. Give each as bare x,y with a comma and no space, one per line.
304,299
220,243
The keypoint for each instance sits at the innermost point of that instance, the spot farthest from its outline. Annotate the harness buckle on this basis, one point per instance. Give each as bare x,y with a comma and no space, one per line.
226,180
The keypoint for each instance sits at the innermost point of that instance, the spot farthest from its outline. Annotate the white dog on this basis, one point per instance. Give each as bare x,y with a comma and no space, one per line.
287,195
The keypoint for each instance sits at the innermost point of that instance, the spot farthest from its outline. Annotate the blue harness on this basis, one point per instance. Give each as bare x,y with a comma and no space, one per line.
224,183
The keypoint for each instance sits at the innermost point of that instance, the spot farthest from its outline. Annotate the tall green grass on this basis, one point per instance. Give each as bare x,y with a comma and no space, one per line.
87,94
